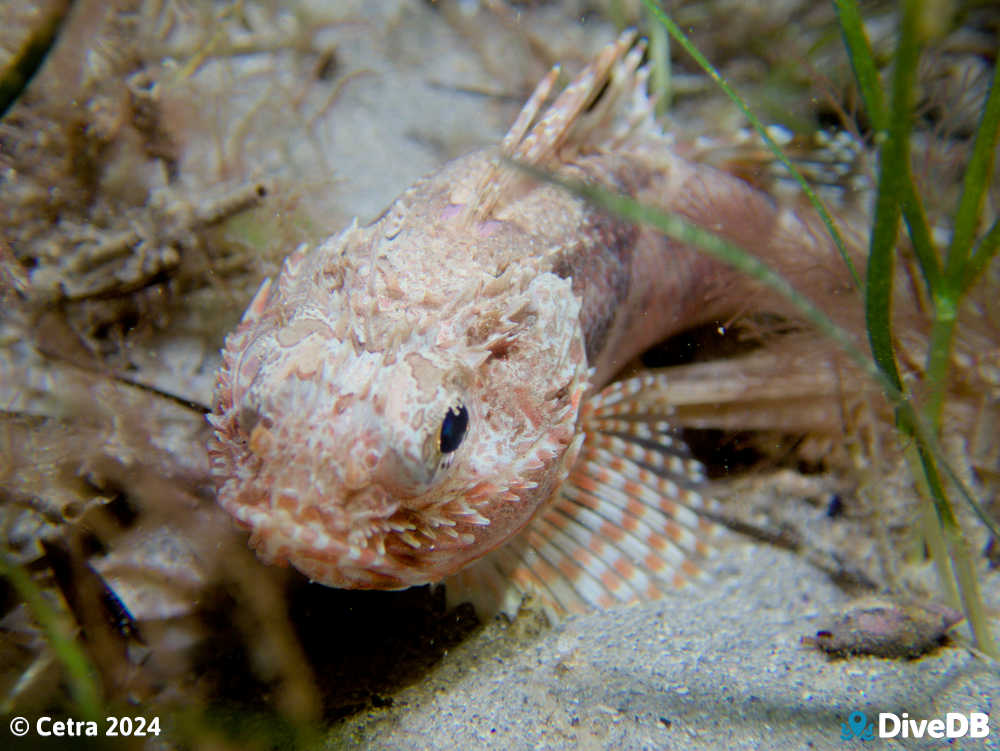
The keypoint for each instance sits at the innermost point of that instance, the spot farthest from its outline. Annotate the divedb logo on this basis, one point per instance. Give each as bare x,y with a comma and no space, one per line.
954,725
890,725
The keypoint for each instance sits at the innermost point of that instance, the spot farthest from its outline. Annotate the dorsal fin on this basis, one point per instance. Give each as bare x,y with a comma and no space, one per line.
598,110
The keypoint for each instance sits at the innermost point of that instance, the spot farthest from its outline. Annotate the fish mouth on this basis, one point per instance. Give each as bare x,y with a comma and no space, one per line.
340,525
357,539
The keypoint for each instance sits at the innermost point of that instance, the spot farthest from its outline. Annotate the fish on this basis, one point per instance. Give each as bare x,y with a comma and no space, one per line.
432,397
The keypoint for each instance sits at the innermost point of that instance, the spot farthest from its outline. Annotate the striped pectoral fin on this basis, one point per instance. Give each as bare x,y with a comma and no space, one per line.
627,525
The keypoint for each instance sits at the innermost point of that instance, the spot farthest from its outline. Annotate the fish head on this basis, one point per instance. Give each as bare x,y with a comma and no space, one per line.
385,415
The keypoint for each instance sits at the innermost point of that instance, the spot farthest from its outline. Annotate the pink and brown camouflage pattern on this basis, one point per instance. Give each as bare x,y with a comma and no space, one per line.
481,290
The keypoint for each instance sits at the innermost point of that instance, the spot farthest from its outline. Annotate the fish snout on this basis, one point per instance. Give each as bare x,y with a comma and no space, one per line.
369,453
359,445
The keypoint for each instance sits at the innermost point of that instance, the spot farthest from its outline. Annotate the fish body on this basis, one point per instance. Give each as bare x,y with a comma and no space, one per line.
427,396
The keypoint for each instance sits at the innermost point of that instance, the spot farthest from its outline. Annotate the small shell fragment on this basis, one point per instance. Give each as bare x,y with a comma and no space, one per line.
886,628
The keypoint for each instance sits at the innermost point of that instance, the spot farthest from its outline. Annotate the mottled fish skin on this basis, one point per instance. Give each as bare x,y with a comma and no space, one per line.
484,292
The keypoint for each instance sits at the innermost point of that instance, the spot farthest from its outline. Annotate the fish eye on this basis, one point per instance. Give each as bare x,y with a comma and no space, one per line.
453,427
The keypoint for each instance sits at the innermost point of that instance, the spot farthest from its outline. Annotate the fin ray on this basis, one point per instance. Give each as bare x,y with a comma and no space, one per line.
627,524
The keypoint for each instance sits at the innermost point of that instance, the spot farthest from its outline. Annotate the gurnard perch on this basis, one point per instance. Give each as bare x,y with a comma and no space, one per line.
428,394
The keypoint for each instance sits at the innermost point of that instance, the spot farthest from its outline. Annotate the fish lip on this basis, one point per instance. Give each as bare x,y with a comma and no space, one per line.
368,504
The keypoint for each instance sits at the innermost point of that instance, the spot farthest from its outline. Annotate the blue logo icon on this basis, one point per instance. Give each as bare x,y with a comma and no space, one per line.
857,726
